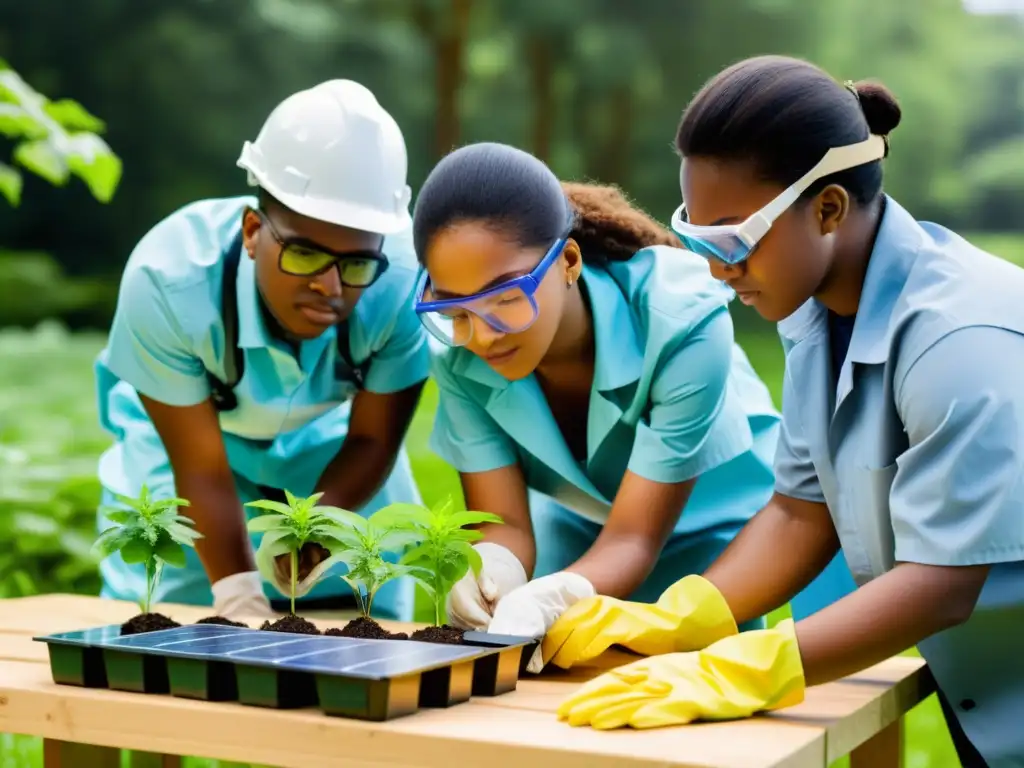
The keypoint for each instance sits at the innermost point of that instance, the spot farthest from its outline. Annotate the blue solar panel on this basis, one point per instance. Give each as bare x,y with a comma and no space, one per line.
351,657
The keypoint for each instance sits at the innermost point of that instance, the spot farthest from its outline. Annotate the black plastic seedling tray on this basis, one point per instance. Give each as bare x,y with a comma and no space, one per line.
349,677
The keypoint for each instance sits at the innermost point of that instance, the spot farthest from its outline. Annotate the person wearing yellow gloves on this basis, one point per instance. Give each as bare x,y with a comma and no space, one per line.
902,426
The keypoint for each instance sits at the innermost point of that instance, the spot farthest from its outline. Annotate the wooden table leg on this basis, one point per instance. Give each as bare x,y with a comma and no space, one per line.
883,750
153,760
65,754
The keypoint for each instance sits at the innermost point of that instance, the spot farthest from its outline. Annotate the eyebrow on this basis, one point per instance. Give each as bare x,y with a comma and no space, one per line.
496,281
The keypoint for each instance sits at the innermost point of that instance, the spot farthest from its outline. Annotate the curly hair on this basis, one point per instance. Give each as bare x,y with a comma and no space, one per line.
607,223
515,193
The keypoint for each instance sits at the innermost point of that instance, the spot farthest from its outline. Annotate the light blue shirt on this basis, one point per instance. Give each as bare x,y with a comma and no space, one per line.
673,398
293,411
919,450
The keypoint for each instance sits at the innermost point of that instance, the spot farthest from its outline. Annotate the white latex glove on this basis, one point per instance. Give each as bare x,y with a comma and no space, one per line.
241,595
533,608
471,601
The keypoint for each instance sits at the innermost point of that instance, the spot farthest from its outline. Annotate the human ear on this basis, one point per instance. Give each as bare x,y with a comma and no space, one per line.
573,261
832,206
251,225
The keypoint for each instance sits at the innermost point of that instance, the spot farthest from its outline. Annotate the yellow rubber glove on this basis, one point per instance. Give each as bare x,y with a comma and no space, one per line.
689,615
732,678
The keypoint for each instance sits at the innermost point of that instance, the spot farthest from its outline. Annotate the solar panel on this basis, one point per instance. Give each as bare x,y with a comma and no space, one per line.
356,677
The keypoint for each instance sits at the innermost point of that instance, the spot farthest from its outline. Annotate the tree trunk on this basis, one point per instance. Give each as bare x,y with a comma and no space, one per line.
614,162
449,46
542,72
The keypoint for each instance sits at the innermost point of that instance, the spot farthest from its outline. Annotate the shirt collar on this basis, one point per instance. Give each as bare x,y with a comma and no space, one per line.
618,358
896,246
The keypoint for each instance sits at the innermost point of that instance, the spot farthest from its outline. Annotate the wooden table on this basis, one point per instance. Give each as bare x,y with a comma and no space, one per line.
84,727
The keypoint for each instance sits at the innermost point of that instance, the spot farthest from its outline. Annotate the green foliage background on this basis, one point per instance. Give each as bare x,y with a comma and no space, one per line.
595,87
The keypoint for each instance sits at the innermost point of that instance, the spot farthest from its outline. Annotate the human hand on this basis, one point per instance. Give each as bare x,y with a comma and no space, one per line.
530,610
312,558
471,602
733,678
689,615
241,595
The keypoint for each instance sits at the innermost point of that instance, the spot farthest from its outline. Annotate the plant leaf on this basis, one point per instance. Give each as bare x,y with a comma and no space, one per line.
399,539
40,157
421,554
264,523
73,116
16,123
273,506
121,516
110,541
462,519
137,550
171,552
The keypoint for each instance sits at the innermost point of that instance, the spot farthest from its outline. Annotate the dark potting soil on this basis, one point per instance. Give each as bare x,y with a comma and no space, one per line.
443,634
291,623
222,622
147,622
366,628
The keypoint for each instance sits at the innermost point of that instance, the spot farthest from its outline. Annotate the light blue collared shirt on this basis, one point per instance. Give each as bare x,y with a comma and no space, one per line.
293,411
673,398
919,450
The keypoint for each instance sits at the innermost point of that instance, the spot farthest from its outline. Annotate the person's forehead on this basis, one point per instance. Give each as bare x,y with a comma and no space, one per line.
714,189
291,226
467,258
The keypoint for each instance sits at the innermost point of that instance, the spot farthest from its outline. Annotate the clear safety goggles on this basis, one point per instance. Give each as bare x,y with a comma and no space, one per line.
509,307
733,243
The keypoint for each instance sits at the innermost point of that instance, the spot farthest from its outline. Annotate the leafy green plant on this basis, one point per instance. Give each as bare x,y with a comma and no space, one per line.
55,139
149,531
363,543
287,528
444,553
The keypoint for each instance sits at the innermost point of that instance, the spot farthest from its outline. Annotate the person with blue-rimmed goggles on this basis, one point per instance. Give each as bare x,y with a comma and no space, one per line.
902,434
591,394
508,307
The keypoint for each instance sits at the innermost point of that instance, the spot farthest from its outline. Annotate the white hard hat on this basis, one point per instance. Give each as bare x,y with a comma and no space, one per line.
332,153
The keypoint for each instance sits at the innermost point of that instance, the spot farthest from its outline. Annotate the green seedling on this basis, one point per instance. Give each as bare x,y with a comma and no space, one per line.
363,542
149,531
444,553
286,528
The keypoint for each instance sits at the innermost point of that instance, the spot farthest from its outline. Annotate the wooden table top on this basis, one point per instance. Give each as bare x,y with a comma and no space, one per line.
834,718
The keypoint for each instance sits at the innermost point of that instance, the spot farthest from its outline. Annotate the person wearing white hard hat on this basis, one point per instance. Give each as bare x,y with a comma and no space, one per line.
267,343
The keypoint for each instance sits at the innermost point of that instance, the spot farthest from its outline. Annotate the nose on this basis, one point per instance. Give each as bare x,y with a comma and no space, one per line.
722,271
484,333
328,284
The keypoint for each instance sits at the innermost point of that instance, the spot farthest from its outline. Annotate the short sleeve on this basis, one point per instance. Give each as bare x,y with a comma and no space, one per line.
795,475
464,434
958,494
694,425
404,358
147,348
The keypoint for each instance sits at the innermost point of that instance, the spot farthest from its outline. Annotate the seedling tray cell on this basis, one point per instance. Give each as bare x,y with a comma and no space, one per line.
343,676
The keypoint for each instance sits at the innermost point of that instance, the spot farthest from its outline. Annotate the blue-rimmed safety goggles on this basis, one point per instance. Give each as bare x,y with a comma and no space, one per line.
508,308
733,243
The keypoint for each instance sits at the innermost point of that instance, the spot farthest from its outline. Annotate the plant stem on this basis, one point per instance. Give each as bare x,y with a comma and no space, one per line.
295,576
369,603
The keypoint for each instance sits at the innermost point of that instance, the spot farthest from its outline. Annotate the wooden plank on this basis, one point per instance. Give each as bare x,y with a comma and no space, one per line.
46,614
471,733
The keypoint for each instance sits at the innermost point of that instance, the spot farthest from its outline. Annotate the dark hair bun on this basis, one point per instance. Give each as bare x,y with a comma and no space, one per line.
881,110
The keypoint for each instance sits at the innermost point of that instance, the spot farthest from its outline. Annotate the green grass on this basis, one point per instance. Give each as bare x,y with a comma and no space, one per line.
49,444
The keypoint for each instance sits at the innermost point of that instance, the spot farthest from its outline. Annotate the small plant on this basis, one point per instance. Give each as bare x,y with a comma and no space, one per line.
363,541
444,553
287,528
149,531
